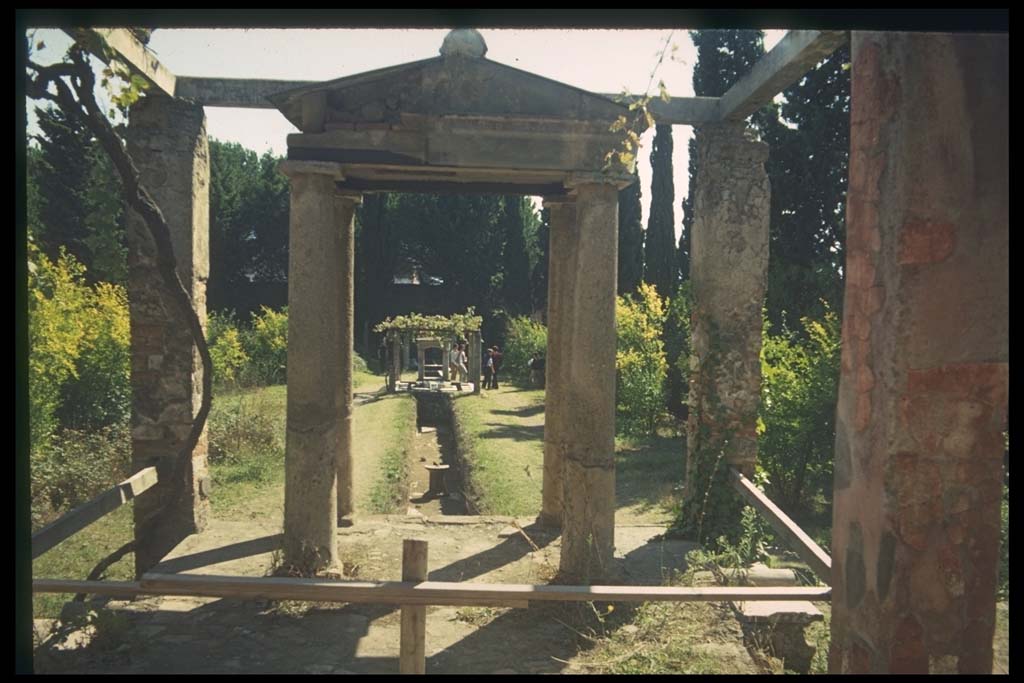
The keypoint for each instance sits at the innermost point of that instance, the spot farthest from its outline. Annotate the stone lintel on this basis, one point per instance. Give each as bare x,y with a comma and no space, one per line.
574,180
292,168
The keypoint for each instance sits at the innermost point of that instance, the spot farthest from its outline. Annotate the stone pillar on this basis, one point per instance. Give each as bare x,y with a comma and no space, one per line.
319,361
728,272
405,357
167,140
561,269
396,359
473,351
924,381
588,494
345,208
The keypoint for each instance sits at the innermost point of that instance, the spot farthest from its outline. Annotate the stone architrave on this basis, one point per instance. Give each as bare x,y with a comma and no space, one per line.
318,439
924,381
728,272
561,269
167,140
588,401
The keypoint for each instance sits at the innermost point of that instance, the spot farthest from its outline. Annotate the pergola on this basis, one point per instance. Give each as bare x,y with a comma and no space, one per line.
921,409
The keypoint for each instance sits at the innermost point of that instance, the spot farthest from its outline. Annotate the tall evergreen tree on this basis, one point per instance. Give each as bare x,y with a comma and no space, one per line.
539,278
659,242
66,165
516,271
631,237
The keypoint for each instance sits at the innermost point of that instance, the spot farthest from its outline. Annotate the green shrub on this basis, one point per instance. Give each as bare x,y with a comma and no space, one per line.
244,443
677,347
799,390
524,339
75,467
1003,587
79,363
226,351
266,344
640,361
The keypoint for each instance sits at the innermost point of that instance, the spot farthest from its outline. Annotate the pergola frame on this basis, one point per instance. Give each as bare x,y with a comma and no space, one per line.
914,578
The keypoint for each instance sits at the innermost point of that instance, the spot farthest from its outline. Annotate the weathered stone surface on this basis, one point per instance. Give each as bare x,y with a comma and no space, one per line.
588,491
924,378
318,442
167,140
464,42
729,270
561,273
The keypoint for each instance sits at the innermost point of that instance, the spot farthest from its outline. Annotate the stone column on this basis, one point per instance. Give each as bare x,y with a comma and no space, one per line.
924,379
396,360
588,494
728,272
167,140
473,344
319,360
405,356
345,208
561,269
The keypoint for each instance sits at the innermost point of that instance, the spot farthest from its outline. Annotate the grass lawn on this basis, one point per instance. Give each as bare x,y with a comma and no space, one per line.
502,440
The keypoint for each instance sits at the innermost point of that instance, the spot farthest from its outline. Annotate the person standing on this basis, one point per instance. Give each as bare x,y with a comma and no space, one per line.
488,368
496,357
453,363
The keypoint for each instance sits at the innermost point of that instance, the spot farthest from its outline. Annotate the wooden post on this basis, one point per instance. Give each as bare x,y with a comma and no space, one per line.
412,649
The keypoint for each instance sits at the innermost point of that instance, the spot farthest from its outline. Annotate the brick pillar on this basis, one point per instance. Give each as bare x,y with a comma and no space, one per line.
923,389
728,272
319,362
588,493
561,239
167,140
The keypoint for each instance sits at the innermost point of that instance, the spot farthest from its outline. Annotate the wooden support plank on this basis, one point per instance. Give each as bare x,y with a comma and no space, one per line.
134,53
246,93
84,515
412,658
796,54
809,551
424,593
678,111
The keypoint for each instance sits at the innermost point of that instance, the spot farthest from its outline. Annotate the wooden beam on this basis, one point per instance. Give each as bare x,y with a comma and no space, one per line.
678,111
84,515
796,54
811,553
412,593
246,93
412,649
134,53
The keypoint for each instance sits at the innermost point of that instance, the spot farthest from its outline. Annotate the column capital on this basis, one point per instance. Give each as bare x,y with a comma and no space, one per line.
619,181
293,168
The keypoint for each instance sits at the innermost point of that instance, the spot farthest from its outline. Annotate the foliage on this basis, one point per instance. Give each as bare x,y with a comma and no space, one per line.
515,260
677,348
266,345
799,390
392,469
76,466
1003,585
456,324
539,275
79,346
229,357
631,237
639,361
524,339
244,443
660,260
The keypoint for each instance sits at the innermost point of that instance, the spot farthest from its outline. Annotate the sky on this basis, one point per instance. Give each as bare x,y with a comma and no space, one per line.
603,61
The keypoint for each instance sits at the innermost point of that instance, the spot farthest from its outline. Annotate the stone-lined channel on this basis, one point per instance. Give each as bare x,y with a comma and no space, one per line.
435,444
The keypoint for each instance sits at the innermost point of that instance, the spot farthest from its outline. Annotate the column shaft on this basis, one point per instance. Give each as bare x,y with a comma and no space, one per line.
167,140
924,380
588,494
316,396
345,206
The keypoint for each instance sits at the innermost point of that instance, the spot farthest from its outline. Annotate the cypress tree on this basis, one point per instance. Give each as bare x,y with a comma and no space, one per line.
631,237
516,280
659,243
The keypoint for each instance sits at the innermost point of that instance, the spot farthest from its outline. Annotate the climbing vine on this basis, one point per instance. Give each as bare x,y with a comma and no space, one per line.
457,324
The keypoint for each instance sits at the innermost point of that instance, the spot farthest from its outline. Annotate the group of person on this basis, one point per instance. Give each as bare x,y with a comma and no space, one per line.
458,361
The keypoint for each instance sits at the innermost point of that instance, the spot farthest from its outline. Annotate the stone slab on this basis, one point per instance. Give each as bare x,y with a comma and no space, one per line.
787,611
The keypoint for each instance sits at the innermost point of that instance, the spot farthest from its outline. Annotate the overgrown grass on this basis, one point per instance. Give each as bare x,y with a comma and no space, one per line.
648,475
383,435
501,438
75,558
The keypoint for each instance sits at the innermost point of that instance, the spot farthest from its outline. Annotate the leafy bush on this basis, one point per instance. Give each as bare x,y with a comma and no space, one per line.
799,390
640,361
75,467
266,344
245,443
677,347
79,362
226,351
524,339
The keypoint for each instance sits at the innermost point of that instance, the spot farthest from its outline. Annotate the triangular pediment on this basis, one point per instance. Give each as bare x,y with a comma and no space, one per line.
446,86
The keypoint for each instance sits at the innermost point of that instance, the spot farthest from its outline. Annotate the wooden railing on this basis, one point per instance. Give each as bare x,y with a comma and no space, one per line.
79,518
